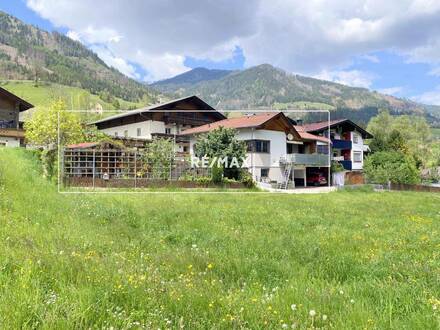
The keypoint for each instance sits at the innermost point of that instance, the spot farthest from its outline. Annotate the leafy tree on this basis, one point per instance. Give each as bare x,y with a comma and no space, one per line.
221,143
45,125
44,128
408,134
159,157
391,166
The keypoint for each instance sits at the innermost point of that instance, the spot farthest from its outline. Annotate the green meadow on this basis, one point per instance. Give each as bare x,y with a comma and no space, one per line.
45,93
342,260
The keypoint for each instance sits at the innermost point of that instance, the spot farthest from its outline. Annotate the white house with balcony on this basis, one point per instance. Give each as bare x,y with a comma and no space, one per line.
277,152
348,141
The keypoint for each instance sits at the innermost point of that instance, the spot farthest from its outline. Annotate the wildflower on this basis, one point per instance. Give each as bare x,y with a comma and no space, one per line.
284,326
190,266
210,266
352,301
341,292
211,305
293,307
324,317
312,313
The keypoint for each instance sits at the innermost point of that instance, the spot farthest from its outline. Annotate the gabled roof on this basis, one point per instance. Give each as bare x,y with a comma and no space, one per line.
323,125
251,121
164,106
23,105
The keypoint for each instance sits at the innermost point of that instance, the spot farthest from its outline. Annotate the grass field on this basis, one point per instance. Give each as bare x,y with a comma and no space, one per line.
344,260
43,95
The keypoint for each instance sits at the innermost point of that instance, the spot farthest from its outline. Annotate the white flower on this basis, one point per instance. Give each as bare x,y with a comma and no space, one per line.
324,317
312,313
352,301
293,307
341,292
284,326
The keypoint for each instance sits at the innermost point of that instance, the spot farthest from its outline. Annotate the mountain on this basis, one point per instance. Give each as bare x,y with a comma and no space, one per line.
193,77
29,53
265,86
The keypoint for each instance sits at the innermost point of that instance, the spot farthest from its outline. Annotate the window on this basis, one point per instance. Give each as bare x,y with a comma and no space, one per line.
258,146
185,149
264,172
355,138
357,156
322,149
167,130
139,131
126,133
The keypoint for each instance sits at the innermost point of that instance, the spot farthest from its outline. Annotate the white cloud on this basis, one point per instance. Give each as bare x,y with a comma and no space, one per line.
300,36
354,78
116,62
73,35
431,97
370,58
391,90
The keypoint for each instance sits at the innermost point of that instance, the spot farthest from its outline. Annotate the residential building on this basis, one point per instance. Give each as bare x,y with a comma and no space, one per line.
277,152
11,130
348,147
162,120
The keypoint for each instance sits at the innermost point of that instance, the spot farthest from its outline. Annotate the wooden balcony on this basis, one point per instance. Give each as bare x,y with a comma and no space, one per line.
12,132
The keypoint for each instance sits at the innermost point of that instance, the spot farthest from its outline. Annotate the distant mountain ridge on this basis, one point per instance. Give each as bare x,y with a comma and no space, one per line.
265,86
29,53
194,76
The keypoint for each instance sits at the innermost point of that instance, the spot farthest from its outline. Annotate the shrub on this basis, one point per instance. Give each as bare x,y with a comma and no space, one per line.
391,166
246,179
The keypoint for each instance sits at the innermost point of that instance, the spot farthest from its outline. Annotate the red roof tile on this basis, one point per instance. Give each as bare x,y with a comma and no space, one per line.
308,136
239,122
83,145
321,125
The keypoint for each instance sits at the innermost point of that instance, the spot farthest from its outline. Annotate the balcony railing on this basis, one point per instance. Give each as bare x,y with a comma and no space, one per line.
306,159
341,144
347,164
8,124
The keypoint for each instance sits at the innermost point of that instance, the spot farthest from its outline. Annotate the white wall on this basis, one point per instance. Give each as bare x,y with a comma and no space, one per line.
147,128
10,142
358,147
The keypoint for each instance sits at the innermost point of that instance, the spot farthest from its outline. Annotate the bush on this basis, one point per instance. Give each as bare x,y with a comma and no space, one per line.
246,179
393,166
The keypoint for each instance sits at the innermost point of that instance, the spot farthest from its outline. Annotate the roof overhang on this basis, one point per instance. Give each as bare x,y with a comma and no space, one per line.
173,106
22,104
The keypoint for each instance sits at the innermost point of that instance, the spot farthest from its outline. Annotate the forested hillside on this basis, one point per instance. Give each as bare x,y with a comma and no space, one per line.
265,86
29,53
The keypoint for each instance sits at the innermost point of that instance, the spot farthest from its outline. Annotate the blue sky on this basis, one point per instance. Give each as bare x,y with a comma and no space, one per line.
398,54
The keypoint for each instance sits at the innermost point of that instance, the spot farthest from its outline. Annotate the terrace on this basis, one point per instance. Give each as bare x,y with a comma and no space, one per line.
317,160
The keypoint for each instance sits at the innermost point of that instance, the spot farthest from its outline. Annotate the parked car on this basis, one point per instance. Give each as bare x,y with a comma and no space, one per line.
316,179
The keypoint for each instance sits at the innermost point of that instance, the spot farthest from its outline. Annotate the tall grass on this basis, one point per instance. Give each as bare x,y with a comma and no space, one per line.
345,260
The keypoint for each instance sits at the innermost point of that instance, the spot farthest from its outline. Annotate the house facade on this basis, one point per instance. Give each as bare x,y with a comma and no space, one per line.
163,120
11,130
277,152
348,147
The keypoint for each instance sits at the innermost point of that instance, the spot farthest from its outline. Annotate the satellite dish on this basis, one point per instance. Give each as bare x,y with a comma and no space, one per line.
290,136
